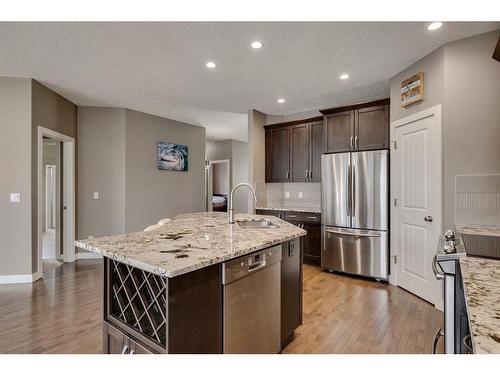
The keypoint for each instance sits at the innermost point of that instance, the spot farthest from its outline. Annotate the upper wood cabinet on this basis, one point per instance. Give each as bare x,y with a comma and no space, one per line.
359,127
293,151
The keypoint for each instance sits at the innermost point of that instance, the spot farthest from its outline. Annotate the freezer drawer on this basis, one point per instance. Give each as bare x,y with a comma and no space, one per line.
360,252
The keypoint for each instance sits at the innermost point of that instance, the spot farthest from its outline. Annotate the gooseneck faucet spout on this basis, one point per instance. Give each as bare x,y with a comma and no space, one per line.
231,210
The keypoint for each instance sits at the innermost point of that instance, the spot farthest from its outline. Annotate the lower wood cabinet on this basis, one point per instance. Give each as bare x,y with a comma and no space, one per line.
117,342
291,290
311,243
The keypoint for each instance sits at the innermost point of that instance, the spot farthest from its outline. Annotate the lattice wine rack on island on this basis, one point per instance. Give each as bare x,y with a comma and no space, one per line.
139,300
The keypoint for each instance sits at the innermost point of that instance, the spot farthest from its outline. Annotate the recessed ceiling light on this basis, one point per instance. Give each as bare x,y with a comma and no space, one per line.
281,100
344,76
434,26
210,64
256,44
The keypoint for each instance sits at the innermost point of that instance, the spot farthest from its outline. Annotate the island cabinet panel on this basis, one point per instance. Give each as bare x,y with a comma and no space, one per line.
148,313
195,312
291,290
311,242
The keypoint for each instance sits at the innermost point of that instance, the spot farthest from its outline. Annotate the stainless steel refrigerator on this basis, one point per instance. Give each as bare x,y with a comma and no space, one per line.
355,213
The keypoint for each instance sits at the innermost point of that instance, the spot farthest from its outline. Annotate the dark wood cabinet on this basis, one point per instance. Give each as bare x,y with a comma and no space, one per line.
293,151
278,154
372,128
117,342
291,290
360,127
316,149
299,144
339,131
311,242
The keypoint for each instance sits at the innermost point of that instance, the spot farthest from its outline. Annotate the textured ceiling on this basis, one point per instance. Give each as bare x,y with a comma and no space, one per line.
159,68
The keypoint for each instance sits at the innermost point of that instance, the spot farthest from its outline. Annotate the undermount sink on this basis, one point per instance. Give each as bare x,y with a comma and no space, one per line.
257,223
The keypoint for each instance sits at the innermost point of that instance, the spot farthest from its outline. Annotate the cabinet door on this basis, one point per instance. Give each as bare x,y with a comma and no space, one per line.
278,154
372,128
299,144
317,148
137,348
311,243
339,131
291,290
115,342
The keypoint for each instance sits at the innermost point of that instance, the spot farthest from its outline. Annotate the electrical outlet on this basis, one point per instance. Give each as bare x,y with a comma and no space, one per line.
90,237
287,195
15,198
300,195
96,195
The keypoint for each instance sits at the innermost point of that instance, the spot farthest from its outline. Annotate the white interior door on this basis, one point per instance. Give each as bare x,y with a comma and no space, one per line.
417,190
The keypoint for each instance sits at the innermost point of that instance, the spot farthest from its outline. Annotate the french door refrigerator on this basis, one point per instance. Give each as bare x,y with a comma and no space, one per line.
354,216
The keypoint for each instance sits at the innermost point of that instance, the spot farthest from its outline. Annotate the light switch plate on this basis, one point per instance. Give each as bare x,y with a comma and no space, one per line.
287,194
300,195
96,195
15,198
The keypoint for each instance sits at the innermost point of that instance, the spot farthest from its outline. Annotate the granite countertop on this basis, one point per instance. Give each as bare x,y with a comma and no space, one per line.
190,242
316,210
481,280
480,230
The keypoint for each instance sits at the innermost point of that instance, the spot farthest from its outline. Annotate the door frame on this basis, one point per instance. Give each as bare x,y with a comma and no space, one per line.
211,180
435,111
68,194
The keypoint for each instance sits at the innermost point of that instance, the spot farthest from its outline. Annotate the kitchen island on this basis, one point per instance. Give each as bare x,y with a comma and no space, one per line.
164,290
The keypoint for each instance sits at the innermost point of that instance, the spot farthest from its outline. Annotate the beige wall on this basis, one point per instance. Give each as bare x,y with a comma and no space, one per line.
464,79
49,110
237,153
471,116
256,154
152,194
15,172
101,168
221,178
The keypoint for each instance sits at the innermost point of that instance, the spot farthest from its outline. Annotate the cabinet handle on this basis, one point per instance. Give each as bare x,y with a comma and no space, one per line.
310,174
350,142
124,350
356,141
132,351
307,174
312,217
288,175
292,215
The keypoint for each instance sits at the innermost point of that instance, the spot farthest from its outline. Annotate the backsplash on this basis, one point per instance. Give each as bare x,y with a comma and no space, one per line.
293,194
477,199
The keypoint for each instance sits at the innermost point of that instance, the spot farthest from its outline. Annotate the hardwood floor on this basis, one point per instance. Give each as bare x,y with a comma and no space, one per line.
63,314
352,315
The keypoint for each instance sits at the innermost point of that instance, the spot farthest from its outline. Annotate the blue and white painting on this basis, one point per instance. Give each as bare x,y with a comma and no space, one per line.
172,157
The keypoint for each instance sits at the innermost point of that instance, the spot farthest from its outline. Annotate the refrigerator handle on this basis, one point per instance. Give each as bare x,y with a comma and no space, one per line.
349,198
353,191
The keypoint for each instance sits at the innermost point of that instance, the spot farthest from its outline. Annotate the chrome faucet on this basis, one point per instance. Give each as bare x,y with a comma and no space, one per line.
231,210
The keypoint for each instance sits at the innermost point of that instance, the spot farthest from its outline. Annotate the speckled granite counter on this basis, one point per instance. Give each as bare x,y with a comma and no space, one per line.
480,230
316,210
481,279
190,242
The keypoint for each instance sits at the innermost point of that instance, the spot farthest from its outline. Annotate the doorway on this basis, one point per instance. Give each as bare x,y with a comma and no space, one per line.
56,196
218,185
416,185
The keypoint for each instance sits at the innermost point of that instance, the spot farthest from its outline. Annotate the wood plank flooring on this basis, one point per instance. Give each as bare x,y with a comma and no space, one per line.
63,314
352,315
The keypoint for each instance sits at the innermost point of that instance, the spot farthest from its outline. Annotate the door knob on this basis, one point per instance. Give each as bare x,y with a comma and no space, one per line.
428,219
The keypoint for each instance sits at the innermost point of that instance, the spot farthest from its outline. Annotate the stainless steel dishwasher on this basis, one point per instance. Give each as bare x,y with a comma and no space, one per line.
252,300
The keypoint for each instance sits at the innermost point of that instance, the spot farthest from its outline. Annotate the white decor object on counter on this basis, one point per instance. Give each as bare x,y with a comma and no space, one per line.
153,227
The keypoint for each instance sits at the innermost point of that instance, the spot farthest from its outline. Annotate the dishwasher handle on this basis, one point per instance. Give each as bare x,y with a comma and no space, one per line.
256,262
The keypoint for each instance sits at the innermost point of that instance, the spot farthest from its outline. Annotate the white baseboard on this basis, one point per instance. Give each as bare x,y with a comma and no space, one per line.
88,256
17,279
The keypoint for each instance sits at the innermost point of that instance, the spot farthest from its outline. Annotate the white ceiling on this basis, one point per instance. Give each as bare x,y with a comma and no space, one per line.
159,68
